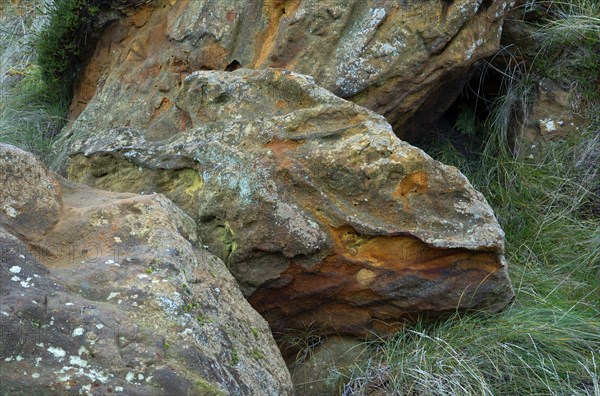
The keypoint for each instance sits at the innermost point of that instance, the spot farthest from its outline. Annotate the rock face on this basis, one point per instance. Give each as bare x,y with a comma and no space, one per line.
112,297
550,117
323,216
406,60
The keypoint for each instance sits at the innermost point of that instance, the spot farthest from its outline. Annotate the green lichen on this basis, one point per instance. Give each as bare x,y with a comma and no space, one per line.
204,387
258,355
226,236
191,179
234,357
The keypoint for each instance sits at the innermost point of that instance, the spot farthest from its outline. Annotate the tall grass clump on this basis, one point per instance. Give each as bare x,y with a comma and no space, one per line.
547,342
41,46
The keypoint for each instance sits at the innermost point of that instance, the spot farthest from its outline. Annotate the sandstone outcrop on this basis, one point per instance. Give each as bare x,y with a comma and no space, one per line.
112,295
322,215
406,60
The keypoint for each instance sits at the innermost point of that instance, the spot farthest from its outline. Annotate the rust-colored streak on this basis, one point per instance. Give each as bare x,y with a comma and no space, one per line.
165,104
362,282
185,121
274,10
280,146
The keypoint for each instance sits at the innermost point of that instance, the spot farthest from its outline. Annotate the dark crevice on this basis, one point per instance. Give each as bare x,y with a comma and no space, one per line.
473,104
233,66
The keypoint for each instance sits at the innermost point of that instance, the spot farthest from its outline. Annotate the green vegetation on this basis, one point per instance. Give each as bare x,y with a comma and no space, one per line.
258,355
548,341
30,115
234,357
40,45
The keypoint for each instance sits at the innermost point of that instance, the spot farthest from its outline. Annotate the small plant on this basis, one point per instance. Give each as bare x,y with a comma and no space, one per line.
299,345
190,307
202,320
258,355
234,357
468,123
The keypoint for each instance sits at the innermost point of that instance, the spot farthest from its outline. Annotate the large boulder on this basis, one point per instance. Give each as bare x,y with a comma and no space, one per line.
30,197
117,298
406,60
321,213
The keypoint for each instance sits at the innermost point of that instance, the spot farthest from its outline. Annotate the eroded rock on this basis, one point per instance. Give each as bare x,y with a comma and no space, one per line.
118,298
30,197
323,216
406,60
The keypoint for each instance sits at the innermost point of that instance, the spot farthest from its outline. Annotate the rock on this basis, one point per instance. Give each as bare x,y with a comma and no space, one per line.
323,216
33,202
405,60
117,298
551,115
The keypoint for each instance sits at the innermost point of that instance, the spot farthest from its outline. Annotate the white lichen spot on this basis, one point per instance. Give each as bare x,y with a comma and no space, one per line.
118,389
109,262
58,353
77,361
19,358
35,375
117,239
112,295
548,124
473,47
4,313
15,269
99,326
78,332
21,256
38,360
129,377
69,304
10,211
15,279
140,377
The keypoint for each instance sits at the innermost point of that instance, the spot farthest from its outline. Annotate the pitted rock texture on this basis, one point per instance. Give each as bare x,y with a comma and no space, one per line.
406,60
323,216
117,298
30,197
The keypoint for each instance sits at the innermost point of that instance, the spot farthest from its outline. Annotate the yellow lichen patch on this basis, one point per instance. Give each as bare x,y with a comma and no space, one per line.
365,276
191,180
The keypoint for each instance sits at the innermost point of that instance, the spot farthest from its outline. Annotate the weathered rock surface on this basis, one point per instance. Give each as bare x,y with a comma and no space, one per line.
320,212
550,116
115,299
406,60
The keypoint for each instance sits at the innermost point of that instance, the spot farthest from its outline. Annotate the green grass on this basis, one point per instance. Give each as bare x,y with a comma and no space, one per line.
548,341
41,42
31,114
